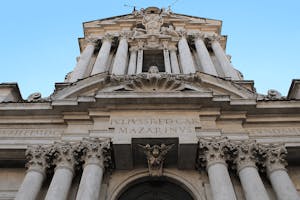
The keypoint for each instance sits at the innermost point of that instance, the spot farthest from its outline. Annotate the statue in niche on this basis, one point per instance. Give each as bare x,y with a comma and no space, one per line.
152,23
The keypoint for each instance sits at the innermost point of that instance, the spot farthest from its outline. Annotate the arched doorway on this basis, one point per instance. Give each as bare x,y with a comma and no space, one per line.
155,190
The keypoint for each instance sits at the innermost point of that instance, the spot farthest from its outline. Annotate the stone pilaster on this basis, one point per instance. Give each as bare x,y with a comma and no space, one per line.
227,68
275,165
96,155
120,63
212,153
246,153
103,55
64,160
132,60
203,54
35,175
186,59
84,60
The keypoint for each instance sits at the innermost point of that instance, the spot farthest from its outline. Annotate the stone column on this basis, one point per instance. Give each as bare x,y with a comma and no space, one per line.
167,58
63,154
103,55
174,60
186,59
96,152
120,63
228,69
139,65
84,61
212,152
277,173
132,61
35,174
245,161
205,60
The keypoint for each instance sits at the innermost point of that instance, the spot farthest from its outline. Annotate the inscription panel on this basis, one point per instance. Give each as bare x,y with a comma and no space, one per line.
16,133
280,131
155,125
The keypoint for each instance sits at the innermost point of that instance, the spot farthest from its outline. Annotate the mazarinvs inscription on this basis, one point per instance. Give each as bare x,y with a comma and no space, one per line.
155,126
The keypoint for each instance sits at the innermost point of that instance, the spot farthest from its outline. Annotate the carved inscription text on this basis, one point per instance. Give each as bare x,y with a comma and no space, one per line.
155,126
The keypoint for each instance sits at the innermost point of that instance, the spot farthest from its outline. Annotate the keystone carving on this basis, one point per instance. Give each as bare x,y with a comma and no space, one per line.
156,155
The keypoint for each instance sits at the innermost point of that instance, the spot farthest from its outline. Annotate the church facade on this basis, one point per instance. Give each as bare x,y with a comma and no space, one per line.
153,109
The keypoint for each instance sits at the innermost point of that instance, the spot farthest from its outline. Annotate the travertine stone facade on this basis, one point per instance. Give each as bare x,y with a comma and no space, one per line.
153,108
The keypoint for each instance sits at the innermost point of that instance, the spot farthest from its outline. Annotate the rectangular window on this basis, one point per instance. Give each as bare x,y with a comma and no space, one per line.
153,58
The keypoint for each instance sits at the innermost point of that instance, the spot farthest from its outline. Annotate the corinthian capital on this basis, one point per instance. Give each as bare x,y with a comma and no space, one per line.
275,157
214,37
245,154
36,158
213,150
63,155
199,35
96,151
108,37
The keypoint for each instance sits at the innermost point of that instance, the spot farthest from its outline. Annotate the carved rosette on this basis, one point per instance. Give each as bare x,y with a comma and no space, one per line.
63,155
245,154
156,155
212,151
96,151
36,159
275,157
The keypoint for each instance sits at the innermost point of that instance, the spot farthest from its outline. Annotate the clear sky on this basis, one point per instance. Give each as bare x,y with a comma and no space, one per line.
38,39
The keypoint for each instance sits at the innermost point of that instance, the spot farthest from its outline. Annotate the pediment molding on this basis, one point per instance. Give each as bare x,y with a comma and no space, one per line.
155,83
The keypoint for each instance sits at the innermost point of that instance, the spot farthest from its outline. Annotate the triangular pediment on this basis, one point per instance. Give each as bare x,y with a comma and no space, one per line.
101,85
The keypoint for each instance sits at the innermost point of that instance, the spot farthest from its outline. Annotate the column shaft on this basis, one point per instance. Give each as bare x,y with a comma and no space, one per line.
139,65
174,62
83,63
167,61
283,186
219,179
90,183
228,69
102,58
132,62
30,186
252,184
60,184
120,63
186,58
205,60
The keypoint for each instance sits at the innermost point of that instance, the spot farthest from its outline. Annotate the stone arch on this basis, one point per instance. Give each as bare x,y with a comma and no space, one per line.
143,176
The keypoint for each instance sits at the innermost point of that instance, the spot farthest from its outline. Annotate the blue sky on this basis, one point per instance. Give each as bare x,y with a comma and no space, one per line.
39,38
